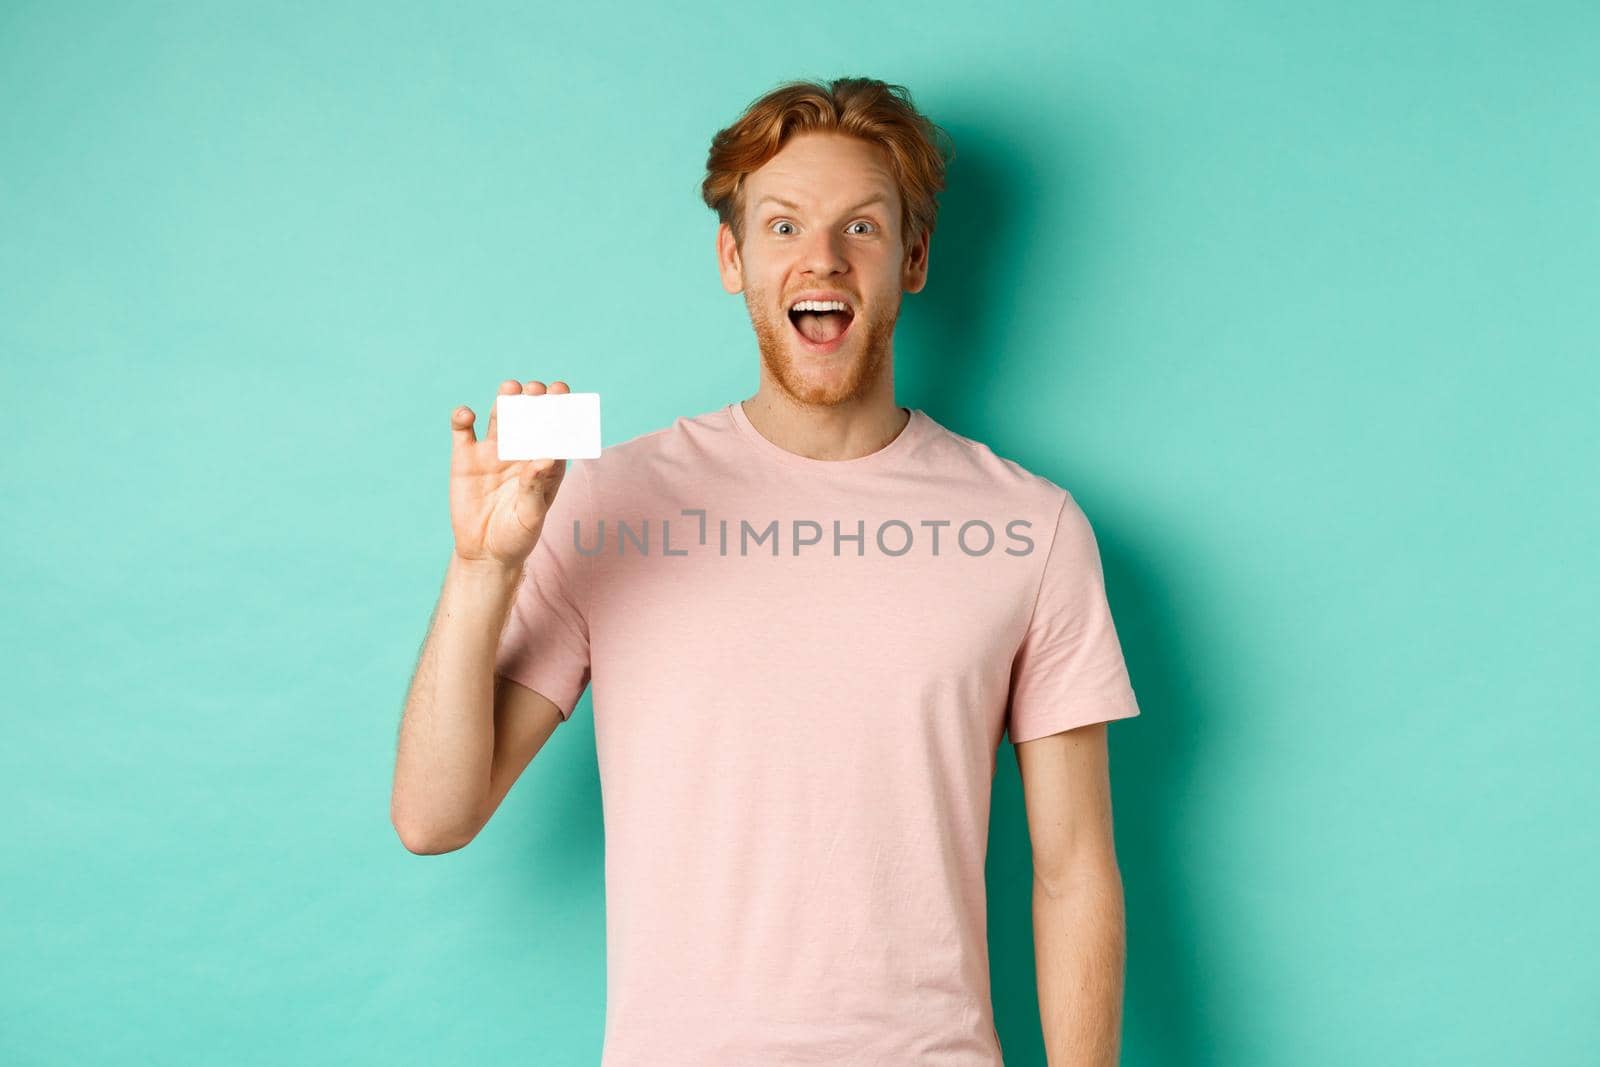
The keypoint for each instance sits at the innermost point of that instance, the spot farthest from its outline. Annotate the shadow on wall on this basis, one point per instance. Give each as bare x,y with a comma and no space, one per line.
950,363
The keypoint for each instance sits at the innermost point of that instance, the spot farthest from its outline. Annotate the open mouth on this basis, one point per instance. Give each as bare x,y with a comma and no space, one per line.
821,331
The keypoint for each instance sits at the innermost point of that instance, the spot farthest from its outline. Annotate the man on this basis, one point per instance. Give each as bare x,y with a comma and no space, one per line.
808,617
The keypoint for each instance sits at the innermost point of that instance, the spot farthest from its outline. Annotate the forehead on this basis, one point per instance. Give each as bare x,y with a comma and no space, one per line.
822,171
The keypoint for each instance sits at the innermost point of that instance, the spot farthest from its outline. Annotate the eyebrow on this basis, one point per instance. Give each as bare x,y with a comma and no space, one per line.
879,199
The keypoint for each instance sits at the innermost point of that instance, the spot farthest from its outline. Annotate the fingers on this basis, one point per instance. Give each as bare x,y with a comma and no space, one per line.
534,387
462,418
541,470
509,387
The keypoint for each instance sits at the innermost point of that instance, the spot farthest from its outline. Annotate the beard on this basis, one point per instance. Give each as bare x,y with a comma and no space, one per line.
844,377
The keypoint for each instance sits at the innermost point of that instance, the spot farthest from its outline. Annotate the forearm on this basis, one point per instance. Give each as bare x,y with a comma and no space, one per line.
446,744
1079,951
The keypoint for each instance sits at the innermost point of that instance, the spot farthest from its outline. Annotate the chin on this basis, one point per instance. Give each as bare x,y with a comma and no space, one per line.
821,378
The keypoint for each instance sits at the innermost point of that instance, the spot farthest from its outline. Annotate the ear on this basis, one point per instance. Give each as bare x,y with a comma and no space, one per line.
729,263
914,273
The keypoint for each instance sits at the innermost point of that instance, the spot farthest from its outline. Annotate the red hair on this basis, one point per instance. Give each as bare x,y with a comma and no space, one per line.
872,110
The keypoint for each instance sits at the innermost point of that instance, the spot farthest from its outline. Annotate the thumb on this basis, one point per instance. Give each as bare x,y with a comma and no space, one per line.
537,483
539,475
535,472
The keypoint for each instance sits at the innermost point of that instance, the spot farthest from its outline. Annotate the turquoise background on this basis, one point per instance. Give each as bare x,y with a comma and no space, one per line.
1298,301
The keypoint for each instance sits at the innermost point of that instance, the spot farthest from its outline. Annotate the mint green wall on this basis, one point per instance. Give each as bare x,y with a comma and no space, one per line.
1298,302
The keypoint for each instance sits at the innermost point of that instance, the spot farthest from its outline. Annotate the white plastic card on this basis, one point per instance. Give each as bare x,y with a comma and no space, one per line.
548,426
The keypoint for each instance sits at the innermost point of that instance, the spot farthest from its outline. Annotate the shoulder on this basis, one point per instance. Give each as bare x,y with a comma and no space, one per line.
985,472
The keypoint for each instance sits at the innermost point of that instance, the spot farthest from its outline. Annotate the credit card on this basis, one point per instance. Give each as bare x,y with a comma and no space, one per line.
548,426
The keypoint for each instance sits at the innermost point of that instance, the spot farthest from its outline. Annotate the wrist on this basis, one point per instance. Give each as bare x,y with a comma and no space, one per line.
487,570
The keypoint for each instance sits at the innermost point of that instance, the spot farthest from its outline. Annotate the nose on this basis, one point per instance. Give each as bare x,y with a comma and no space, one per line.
823,254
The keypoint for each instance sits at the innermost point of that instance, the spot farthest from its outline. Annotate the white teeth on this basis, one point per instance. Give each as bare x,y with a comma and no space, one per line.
820,305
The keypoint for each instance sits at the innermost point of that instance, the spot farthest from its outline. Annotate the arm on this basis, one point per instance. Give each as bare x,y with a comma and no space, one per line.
1078,921
466,734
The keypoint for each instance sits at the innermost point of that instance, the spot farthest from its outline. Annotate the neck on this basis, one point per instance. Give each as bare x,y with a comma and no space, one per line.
839,431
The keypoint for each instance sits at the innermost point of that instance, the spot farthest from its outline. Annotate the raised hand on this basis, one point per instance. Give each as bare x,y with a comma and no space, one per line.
497,507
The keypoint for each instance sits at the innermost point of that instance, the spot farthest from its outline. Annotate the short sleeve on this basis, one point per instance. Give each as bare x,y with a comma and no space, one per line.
1069,670
545,643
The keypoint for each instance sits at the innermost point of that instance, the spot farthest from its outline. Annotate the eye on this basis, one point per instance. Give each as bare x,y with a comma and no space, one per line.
859,222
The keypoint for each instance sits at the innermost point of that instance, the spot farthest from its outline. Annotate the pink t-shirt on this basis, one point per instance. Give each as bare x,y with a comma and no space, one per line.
802,670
